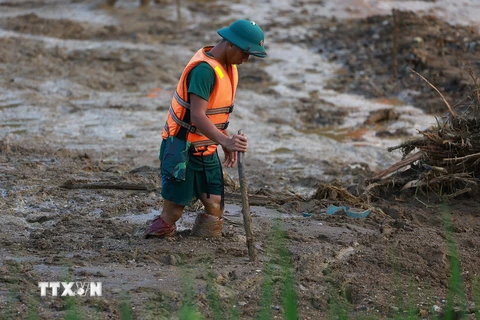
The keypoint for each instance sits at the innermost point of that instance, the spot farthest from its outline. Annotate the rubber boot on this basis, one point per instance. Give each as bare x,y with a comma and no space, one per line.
207,226
160,229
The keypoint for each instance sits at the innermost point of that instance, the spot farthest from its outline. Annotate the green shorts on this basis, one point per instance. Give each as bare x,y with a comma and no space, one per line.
200,178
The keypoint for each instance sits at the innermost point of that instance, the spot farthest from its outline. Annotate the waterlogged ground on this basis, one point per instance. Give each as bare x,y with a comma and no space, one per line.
83,96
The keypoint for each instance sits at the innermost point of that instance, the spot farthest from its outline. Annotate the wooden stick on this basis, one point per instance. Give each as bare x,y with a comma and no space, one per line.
475,155
441,95
459,192
395,43
70,184
247,218
409,160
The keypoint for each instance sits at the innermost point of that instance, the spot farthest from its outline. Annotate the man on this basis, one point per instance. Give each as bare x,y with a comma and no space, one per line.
196,124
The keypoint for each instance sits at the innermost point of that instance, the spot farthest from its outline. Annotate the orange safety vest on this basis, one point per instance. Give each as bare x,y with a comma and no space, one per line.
220,104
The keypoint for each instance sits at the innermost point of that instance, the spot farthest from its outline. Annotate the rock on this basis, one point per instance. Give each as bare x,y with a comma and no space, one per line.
239,238
174,260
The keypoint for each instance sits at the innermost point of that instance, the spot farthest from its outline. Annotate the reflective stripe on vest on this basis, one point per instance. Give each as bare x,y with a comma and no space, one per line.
193,129
196,144
186,105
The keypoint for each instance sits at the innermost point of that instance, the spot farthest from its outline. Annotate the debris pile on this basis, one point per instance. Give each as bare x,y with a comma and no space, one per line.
444,161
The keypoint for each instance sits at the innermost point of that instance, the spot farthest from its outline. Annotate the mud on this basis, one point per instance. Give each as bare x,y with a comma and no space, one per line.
82,103
443,53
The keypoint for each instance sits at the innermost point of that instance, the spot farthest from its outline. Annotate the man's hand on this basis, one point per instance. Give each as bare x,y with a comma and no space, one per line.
230,158
237,142
230,145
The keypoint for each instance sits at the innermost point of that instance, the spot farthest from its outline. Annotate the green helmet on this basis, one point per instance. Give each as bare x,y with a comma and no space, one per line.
246,35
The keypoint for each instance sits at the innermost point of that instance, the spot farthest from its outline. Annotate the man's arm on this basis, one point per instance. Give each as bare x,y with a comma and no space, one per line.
198,109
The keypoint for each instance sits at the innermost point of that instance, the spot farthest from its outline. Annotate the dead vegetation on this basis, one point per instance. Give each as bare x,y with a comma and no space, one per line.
444,161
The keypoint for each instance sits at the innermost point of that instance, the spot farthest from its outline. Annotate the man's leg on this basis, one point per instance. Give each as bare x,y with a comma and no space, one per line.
209,223
164,225
171,211
212,205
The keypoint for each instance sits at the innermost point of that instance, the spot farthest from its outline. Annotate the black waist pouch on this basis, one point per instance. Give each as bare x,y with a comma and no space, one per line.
175,158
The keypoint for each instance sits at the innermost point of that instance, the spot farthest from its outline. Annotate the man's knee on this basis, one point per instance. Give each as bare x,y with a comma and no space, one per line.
212,205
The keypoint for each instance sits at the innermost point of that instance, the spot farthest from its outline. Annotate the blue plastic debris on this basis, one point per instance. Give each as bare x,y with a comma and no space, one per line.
334,209
358,214
306,214
351,213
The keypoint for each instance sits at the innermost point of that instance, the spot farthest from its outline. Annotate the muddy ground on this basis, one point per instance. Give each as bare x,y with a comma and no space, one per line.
66,213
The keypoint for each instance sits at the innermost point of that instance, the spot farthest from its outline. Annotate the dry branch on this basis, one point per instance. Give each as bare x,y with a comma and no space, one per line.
441,95
409,160
70,184
475,155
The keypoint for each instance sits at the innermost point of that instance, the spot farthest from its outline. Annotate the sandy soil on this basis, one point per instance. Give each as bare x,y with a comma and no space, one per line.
77,209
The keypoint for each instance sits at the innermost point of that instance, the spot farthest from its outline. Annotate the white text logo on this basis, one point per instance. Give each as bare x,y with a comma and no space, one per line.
70,289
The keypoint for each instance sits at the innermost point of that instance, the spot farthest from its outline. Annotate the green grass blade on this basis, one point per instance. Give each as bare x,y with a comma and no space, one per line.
71,309
32,309
188,311
455,287
266,294
125,308
476,296
289,296
214,297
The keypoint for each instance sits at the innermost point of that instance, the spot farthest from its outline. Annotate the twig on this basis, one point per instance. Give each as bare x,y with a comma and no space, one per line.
441,95
459,192
395,42
476,85
459,177
426,205
475,155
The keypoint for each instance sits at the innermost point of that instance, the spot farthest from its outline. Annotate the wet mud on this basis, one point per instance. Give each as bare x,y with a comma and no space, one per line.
82,101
